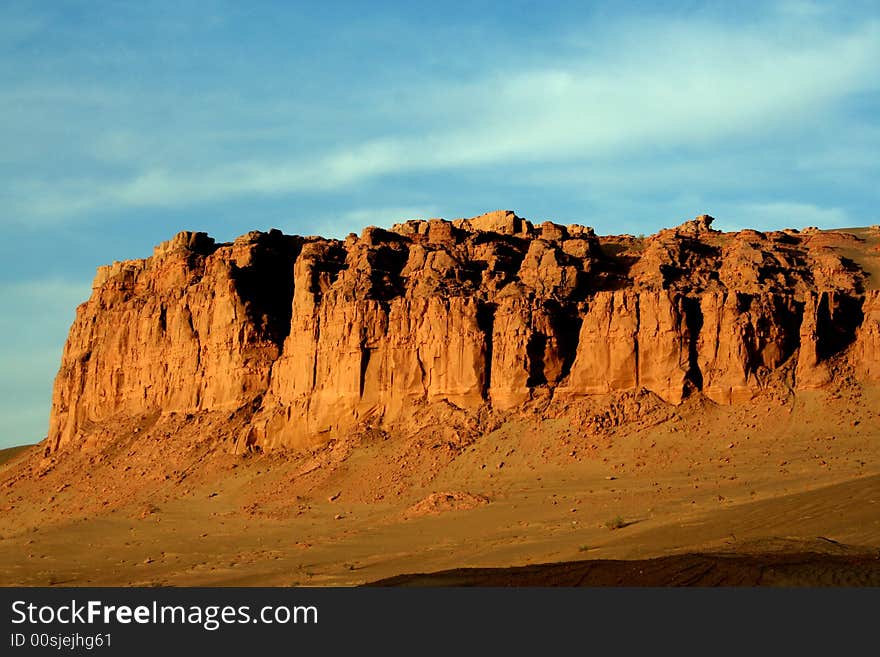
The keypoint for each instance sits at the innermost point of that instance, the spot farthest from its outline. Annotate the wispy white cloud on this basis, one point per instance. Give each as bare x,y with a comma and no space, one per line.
693,85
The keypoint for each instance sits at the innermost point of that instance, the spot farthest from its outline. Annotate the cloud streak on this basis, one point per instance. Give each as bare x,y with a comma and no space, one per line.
688,85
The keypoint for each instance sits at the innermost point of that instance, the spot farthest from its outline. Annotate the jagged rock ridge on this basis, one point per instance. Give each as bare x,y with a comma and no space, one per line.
315,337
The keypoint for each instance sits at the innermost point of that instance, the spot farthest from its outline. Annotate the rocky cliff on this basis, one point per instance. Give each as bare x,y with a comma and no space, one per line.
309,338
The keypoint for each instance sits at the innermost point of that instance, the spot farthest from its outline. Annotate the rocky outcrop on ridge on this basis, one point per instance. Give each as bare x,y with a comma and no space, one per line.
312,337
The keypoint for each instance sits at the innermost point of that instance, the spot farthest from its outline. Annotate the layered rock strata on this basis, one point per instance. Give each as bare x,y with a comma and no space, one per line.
315,337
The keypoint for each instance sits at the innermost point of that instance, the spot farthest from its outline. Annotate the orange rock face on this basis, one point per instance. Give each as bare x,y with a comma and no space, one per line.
866,351
186,330
313,338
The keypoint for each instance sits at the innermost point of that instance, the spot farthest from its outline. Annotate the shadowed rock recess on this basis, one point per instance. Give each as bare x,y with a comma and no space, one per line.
304,339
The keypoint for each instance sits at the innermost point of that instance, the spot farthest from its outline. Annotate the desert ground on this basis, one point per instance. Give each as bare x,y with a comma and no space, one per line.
195,441
628,478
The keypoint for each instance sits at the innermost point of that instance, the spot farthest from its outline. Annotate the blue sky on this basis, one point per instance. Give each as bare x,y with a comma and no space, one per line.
123,123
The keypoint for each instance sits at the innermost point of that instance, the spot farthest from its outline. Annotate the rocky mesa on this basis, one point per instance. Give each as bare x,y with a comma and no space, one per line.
302,339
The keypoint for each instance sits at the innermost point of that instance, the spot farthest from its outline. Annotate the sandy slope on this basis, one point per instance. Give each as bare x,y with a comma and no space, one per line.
10,453
660,481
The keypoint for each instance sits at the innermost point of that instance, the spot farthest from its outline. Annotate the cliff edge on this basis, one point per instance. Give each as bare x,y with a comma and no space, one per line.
294,340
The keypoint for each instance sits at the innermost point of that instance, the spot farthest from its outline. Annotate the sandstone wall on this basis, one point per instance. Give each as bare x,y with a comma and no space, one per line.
317,337
866,351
